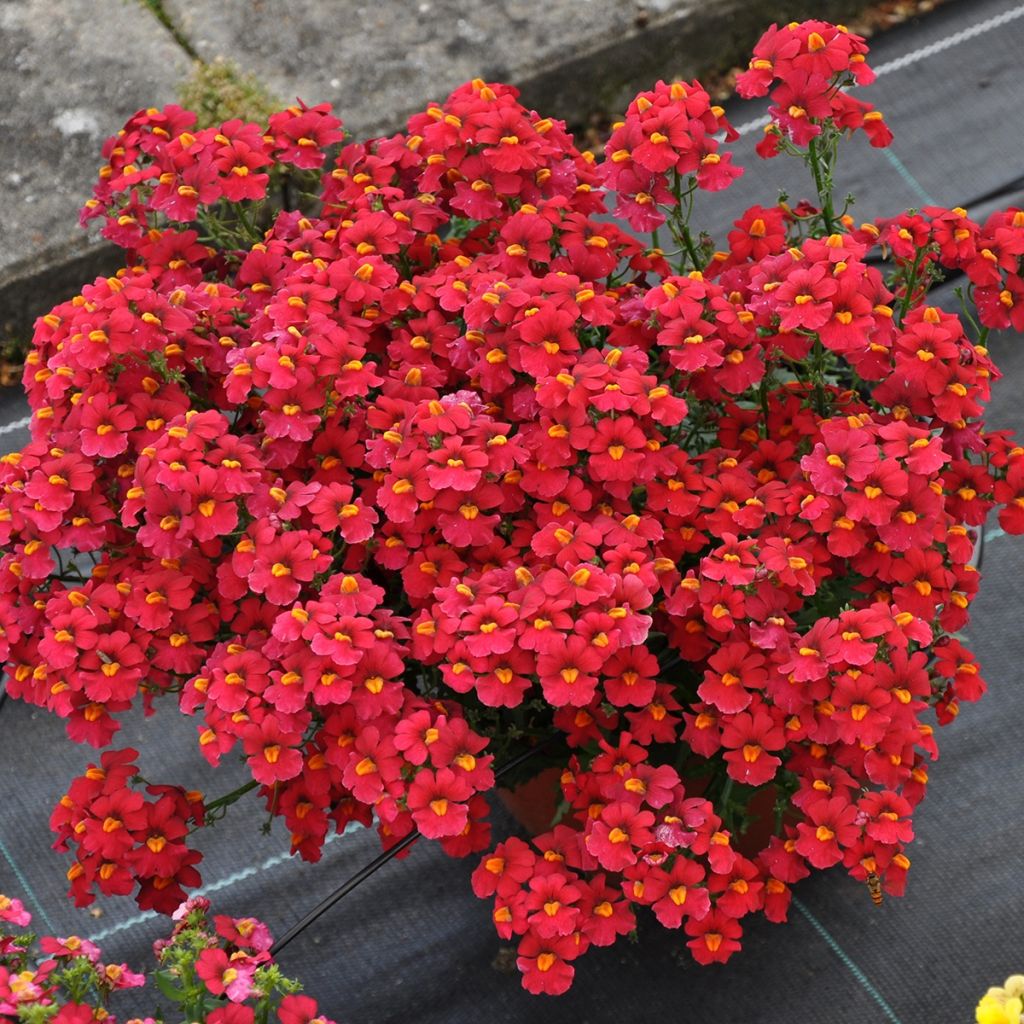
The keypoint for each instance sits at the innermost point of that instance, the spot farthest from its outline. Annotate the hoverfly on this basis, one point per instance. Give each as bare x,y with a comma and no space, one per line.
874,884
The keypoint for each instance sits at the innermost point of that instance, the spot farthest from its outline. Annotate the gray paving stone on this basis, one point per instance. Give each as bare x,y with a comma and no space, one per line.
379,60
71,73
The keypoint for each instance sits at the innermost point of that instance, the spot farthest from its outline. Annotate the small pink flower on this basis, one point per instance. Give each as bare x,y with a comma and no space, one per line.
14,911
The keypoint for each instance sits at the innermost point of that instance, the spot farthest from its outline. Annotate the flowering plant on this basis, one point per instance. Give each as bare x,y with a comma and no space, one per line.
217,972
1003,1004
444,464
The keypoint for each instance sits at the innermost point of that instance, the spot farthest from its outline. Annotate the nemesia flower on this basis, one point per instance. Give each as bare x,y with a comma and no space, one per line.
715,937
74,984
299,1009
13,912
546,964
435,800
224,975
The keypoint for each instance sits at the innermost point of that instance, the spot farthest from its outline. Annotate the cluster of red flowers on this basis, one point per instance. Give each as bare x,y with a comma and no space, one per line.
807,66
668,133
123,839
988,255
68,984
452,459
156,165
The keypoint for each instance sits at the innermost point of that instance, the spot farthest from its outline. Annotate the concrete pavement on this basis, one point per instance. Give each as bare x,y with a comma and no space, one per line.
72,71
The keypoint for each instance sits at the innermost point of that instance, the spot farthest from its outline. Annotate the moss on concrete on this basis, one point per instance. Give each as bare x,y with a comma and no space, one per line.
219,91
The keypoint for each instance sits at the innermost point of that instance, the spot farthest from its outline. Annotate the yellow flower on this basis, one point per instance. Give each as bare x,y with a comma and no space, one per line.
998,1009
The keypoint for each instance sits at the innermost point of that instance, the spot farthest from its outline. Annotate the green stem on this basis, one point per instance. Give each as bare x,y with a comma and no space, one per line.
823,183
679,220
818,372
911,285
763,394
727,791
229,798
249,223
161,15
959,292
691,248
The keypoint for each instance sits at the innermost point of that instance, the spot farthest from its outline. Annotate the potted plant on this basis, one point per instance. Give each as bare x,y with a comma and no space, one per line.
437,469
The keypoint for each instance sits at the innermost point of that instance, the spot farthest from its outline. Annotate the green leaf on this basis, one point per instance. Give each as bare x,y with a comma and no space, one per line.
168,988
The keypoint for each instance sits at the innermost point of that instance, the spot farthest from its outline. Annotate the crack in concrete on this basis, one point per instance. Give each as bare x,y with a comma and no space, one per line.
157,9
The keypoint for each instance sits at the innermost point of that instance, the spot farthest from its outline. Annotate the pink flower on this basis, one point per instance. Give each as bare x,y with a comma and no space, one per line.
13,911
224,975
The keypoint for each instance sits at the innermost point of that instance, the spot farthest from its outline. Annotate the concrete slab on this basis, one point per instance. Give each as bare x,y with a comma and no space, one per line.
71,73
379,60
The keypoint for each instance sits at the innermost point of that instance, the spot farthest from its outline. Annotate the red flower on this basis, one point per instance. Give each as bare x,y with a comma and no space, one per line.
546,963
504,681
224,975
301,134
955,662
614,837
629,677
817,649
845,455
297,1009
568,672
617,449
233,1013
272,751
489,625
551,906
888,815
862,708
74,1013
735,670
280,569
244,932
13,911
505,870
748,738
682,898
715,937
435,800
833,824
803,298
105,426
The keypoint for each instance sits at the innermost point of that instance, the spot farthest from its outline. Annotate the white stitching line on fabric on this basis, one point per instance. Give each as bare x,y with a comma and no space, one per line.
8,428
223,883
